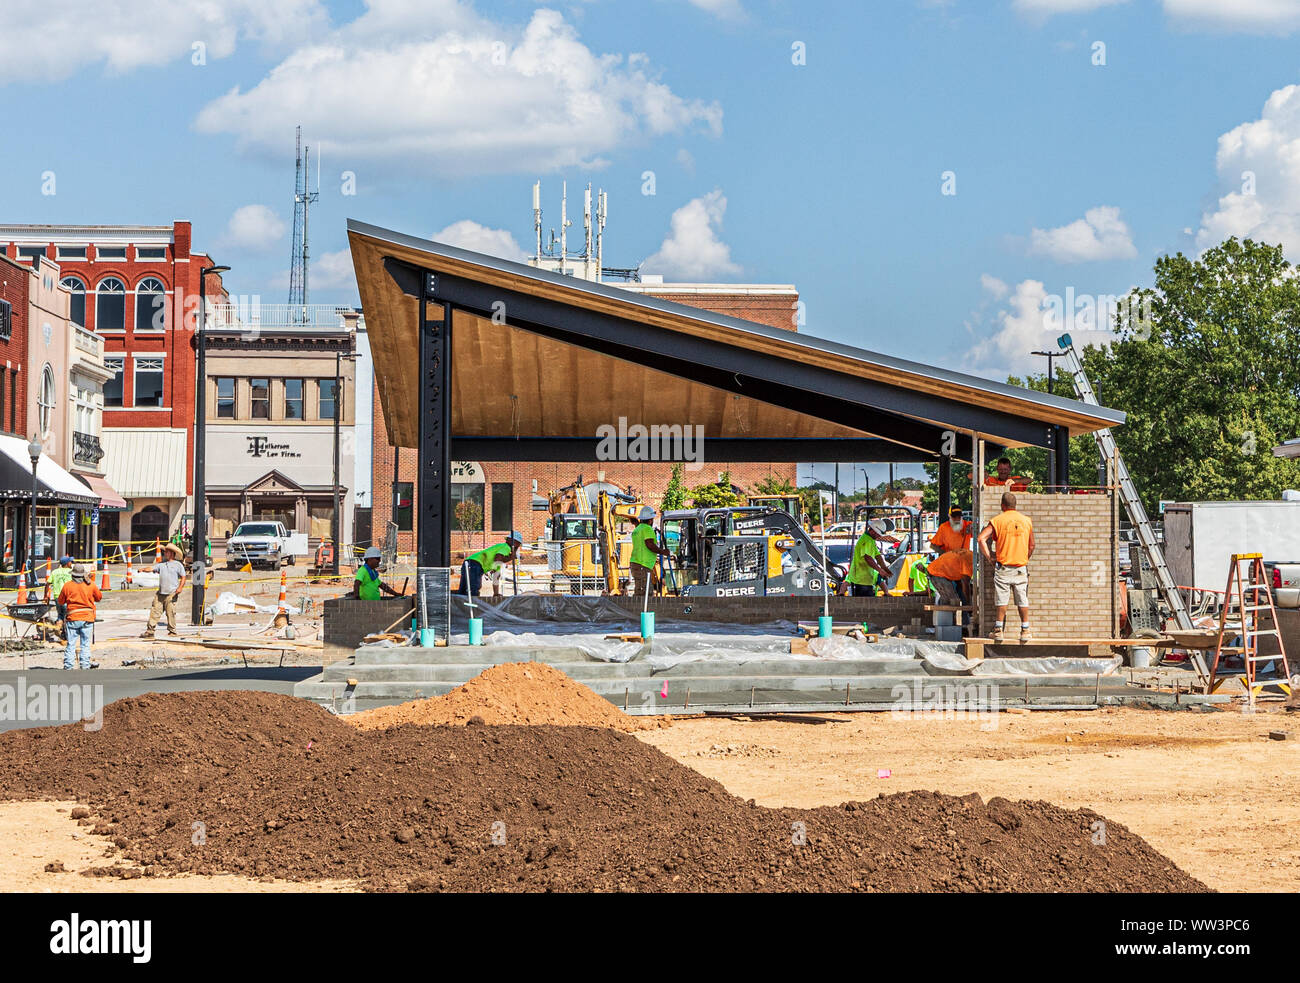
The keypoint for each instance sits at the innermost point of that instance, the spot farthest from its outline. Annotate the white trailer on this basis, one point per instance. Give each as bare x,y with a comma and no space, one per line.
1200,538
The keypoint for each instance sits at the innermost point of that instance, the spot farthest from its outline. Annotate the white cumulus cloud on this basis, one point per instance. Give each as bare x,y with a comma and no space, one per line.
1246,16
1100,234
692,250
1031,321
43,42
720,8
460,96
471,235
253,227
1259,171
1046,8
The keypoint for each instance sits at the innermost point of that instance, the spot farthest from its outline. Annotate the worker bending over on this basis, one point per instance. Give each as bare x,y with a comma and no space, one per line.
866,566
1013,535
950,573
489,561
645,550
366,585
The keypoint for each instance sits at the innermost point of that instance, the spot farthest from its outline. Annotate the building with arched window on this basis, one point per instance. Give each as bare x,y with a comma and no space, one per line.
133,293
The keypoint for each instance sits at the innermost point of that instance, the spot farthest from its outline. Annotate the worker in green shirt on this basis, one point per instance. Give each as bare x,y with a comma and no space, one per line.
489,561
59,576
866,566
645,550
919,576
366,585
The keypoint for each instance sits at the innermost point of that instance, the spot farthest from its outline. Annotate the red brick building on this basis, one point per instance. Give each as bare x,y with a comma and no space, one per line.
15,301
506,491
137,287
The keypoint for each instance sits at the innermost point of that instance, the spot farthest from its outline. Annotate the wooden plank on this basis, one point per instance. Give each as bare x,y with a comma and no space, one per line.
1113,642
949,607
975,649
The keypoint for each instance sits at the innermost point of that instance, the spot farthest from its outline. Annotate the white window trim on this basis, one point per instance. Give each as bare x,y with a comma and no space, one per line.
161,357
144,259
135,293
94,292
85,252
109,259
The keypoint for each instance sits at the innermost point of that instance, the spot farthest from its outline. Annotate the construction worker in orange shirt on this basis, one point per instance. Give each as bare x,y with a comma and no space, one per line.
952,570
1013,535
954,534
1004,479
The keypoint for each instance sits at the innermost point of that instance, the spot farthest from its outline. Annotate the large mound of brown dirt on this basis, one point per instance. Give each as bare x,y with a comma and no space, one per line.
512,693
269,785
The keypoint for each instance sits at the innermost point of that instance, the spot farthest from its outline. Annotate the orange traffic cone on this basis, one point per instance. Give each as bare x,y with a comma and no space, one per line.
283,601
22,585
157,550
127,584
104,587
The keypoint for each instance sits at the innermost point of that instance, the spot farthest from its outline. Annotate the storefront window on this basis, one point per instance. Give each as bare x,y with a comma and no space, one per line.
467,507
503,507
405,490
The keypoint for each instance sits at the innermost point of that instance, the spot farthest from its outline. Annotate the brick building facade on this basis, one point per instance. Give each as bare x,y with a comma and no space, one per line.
137,288
508,489
15,295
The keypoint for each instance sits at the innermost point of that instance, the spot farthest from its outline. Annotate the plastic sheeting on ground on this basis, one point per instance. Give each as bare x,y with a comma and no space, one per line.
228,603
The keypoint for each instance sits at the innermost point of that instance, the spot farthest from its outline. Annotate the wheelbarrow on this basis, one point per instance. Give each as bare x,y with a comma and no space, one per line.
39,615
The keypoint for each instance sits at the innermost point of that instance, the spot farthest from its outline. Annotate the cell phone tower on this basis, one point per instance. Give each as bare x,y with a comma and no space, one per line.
302,199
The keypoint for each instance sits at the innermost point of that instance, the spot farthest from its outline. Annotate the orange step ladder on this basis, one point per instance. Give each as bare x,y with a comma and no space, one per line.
1250,593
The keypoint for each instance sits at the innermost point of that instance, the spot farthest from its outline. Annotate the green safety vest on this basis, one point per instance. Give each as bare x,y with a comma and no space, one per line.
860,571
491,558
58,577
642,555
369,581
920,576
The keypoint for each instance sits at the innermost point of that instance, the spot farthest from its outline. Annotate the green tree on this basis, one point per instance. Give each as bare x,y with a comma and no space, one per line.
674,496
1208,370
469,516
716,494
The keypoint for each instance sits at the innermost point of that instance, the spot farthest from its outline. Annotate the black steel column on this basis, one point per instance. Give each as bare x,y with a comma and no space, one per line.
1061,459
945,487
433,533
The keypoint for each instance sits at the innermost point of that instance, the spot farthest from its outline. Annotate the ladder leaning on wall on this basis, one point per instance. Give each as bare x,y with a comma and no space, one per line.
1133,505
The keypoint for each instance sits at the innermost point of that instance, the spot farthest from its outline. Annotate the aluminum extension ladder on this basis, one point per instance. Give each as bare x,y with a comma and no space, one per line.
1132,504
1244,589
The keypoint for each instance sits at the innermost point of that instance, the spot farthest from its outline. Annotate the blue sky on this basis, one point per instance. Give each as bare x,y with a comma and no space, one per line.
1069,175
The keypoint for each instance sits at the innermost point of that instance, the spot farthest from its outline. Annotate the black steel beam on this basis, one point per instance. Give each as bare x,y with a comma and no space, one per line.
945,486
1061,445
883,409
433,474
738,450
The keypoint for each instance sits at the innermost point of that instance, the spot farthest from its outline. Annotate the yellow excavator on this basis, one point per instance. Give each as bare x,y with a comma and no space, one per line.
615,554
589,533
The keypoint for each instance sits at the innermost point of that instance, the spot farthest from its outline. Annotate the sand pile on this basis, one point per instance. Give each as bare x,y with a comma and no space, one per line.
278,787
514,693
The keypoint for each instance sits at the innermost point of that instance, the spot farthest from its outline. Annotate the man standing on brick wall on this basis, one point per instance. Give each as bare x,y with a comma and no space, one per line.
1013,534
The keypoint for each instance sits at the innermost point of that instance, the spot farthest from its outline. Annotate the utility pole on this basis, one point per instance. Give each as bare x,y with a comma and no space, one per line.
1051,391
199,554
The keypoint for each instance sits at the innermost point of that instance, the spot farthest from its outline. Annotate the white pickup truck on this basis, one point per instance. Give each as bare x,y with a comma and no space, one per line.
267,544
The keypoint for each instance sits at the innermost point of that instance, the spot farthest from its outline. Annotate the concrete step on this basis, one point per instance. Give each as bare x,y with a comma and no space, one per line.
483,655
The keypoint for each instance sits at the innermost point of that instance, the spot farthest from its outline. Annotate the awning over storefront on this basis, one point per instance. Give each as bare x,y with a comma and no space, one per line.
145,463
108,498
53,484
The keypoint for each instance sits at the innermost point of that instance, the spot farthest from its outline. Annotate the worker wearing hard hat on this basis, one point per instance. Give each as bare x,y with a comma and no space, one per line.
954,534
366,585
489,561
866,566
645,550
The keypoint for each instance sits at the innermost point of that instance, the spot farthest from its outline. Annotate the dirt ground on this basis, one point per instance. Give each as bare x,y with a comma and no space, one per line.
1209,790
36,834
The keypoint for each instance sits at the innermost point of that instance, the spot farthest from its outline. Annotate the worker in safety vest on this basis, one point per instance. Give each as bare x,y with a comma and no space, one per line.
1005,479
954,534
951,572
1013,534
867,566
366,585
489,561
645,550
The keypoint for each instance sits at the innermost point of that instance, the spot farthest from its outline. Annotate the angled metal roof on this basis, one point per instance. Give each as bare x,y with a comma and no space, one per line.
854,390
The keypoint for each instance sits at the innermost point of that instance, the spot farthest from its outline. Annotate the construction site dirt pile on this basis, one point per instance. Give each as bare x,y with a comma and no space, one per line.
513,693
266,785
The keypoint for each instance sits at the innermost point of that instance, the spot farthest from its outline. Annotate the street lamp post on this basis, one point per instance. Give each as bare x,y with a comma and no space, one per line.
336,524
199,570
34,450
